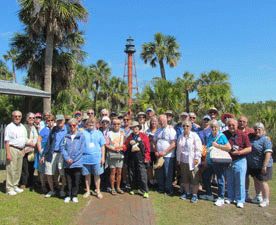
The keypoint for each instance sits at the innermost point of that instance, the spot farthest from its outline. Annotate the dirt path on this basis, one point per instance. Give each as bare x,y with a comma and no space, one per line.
119,209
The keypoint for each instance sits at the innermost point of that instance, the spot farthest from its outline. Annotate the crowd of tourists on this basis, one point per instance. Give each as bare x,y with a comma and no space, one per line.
132,153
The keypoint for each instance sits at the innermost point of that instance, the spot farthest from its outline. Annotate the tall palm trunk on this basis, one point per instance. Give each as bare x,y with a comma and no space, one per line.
13,71
48,68
187,101
162,69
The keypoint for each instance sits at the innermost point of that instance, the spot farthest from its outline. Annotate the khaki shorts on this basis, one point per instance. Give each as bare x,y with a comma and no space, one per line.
55,164
115,163
189,176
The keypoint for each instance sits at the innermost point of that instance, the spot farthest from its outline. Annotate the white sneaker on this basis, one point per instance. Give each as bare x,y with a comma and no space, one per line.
75,200
207,197
50,194
67,200
264,203
240,205
257,200
18,190
12,192
219,202
62,194
228,201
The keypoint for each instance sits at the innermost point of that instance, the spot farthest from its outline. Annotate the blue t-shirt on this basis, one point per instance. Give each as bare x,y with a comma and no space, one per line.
44,133
222,140
93,152
256,157
204,134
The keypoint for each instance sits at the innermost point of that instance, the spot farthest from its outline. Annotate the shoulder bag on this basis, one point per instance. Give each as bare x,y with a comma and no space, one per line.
219,156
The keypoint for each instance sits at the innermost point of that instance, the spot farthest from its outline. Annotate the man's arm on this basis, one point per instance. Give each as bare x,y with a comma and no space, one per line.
170,148
8,153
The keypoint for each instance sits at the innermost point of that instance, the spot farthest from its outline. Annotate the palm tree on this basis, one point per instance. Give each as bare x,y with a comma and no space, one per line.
12,55
162,95
214,90
4,72
101,73
52,19
188,84
163,48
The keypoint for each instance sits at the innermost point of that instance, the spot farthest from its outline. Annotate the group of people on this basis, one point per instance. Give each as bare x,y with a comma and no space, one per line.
130,152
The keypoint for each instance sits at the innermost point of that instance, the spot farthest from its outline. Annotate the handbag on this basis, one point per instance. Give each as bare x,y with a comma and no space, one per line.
219,156
114,155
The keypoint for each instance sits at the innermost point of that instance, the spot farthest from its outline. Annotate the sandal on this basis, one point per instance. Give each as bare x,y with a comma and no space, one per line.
99,195
113,192
120,191
86,195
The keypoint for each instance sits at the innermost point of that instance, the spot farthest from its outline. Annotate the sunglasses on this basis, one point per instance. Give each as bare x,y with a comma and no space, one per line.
104,114
17,116
31,118
141,117
126,119
73,125
50,120
185,126
78,115
192,117
90,113
206,120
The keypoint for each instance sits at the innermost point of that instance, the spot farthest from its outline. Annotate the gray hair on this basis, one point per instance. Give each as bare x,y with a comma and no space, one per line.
105,110
228,120
29,114
117,121
73,120
214,123
259,125
192,114
16,111
187,122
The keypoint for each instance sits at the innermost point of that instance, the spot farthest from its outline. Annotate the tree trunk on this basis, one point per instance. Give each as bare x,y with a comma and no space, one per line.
48,68
13,71
187,101
162,69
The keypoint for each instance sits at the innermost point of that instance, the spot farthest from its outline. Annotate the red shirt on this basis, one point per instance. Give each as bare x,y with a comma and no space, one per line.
239,139
146,143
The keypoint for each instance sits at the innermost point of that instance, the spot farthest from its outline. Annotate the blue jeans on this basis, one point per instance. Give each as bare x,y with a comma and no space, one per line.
165,175
219,170
235,177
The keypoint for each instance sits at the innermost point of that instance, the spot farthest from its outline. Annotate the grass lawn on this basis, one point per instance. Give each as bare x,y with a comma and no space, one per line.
32,208
173,210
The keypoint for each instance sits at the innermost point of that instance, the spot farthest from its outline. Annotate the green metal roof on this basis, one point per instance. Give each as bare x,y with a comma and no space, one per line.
11,88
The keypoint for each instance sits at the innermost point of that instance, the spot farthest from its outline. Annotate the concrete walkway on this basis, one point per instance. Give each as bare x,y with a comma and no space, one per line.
119,209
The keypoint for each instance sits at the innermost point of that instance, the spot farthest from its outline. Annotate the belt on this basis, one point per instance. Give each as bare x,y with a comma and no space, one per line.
57,151
16,147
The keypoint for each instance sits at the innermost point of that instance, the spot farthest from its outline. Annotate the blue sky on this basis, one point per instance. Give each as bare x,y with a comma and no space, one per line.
235,37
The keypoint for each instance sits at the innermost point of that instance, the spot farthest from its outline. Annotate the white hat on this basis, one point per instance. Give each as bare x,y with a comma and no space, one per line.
106,118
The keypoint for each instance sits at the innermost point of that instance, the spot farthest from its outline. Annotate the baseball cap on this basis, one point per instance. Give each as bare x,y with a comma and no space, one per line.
59,117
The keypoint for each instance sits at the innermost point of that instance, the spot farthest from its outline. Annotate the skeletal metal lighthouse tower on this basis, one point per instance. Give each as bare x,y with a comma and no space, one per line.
131,67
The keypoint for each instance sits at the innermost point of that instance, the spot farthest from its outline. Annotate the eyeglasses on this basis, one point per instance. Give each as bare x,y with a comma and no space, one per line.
192,117
116,124
90,113
242,121
213,112
186,126
206,120
50,120
72,125
257,129
78,115
31,118
17,116
126,119
140,117
105,122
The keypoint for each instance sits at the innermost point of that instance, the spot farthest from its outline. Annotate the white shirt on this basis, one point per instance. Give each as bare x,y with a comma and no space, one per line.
189,149
164,137
16,135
